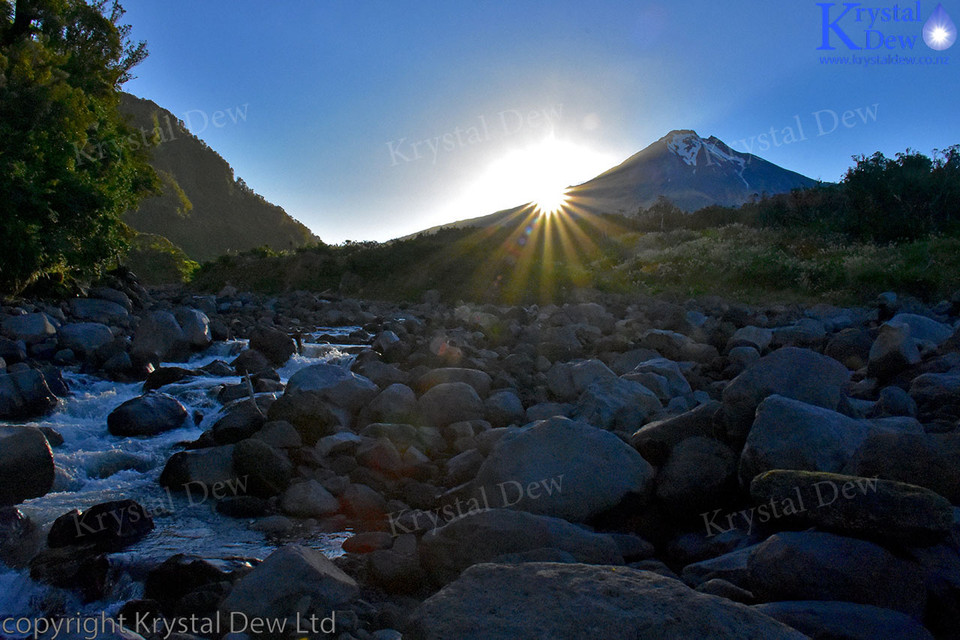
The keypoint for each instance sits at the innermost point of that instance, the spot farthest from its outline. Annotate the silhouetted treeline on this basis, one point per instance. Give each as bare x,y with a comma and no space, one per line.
879,199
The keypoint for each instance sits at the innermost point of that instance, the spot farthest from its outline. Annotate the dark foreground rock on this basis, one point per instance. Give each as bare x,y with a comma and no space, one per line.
147,415
553,468
845,620
26,464
484,536
291,581
573,601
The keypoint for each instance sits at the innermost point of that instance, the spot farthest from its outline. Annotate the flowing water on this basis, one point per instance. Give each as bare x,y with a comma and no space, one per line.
94,466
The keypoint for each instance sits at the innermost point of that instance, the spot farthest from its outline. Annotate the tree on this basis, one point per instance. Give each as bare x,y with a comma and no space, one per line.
69,165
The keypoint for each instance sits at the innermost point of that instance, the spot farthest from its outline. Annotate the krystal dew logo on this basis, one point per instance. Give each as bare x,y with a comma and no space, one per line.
892,27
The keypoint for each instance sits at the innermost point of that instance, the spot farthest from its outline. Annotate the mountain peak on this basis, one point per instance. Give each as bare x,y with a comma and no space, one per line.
687,145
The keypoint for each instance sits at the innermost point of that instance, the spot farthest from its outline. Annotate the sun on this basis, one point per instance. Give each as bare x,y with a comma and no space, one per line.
551,201
538,174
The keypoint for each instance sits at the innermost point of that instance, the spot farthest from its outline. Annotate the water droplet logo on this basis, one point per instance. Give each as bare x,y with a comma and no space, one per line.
939,32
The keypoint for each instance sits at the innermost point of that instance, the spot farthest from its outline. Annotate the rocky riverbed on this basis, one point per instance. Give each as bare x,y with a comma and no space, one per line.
175,464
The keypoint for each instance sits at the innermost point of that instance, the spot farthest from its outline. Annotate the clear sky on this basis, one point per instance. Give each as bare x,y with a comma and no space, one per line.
371,120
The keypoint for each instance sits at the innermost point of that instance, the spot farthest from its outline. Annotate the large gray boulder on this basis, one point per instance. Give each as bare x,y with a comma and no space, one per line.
276,345
925,329
26,464
574,601
551,467
450,402
813,565
882,510
396,403
655,440
927,460
618,404
31,327
567,380
477,379
308,500
669,369
159,337
800,374
937,396
789,434
147,415
196,327
893,351
699,474
503,408
97,310
84,338
199,472
845,620
335,385
25,394
292,581
483,535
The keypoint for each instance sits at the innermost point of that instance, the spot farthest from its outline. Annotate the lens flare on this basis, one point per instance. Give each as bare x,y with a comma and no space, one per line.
939,32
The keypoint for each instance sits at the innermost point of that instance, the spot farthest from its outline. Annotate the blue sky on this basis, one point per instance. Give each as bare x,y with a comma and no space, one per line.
371,120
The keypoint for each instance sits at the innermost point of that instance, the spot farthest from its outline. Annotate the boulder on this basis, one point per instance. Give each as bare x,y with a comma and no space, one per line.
504,408
893,351
97,310
655,440
844,620
699,474
363,503
812,565
550,468
12,351
279,434
479,380
26,464
791,372
147,415
308,500
616,403
574,601
196,327
250,361
31,328
396,403
881,510
927,460
311,415
924,329
159,338
24,393
197,472
568,380
335,385
850,347
676,346
276,345
450,402
162,376
757,337
678,385
179,575
239,421
109,526
266,471
937,396
485,534
291,581
789,434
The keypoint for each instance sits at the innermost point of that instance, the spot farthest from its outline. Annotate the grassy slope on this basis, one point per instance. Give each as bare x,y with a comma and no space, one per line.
530,260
